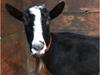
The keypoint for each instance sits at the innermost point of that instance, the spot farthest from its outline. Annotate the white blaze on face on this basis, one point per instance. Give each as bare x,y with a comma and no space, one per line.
38,32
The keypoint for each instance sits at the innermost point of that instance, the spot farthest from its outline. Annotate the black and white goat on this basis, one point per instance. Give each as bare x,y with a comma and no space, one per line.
63,53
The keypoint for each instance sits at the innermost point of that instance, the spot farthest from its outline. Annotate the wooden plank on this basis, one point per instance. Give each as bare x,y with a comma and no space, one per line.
82,5
7,48
14,63
5,69
10,24
12,55
71,5
22,72
10,45
76,22
3,2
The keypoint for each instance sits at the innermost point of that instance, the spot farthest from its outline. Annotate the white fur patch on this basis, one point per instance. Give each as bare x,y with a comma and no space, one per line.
38,32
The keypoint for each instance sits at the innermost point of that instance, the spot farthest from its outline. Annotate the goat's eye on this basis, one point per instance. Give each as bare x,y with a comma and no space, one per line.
24,19
48,21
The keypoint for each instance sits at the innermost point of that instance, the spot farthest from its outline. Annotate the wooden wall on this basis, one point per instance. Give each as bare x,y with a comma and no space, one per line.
13,42
79,16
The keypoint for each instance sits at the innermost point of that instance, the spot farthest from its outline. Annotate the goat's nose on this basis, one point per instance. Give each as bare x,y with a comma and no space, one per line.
38,46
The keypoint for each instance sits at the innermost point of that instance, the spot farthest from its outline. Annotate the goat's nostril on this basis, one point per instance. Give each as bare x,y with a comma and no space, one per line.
38,47
41,42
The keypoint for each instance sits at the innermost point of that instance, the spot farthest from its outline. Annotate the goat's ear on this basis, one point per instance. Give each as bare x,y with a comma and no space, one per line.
14,12
57,10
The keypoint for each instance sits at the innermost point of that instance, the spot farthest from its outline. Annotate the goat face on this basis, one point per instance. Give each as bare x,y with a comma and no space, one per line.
36,21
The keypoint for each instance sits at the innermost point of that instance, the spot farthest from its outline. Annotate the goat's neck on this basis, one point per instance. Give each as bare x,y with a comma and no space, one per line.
47,57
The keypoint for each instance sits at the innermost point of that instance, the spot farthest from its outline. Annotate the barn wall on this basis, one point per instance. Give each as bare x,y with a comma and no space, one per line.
13,42
79,16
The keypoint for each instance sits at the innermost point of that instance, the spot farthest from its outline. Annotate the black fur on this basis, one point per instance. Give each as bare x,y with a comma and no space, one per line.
28,20
73,54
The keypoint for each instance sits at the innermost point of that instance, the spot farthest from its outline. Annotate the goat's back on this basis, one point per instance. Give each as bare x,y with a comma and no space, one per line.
74,54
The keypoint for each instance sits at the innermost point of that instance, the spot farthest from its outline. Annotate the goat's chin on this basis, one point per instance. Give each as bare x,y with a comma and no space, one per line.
38,55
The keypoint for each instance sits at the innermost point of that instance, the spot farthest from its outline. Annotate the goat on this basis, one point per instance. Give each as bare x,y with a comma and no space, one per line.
63,53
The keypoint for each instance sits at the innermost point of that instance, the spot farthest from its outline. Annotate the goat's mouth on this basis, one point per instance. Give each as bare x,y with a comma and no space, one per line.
38,53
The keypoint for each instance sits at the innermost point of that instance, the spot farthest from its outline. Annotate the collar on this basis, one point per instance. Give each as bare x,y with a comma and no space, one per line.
49,44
